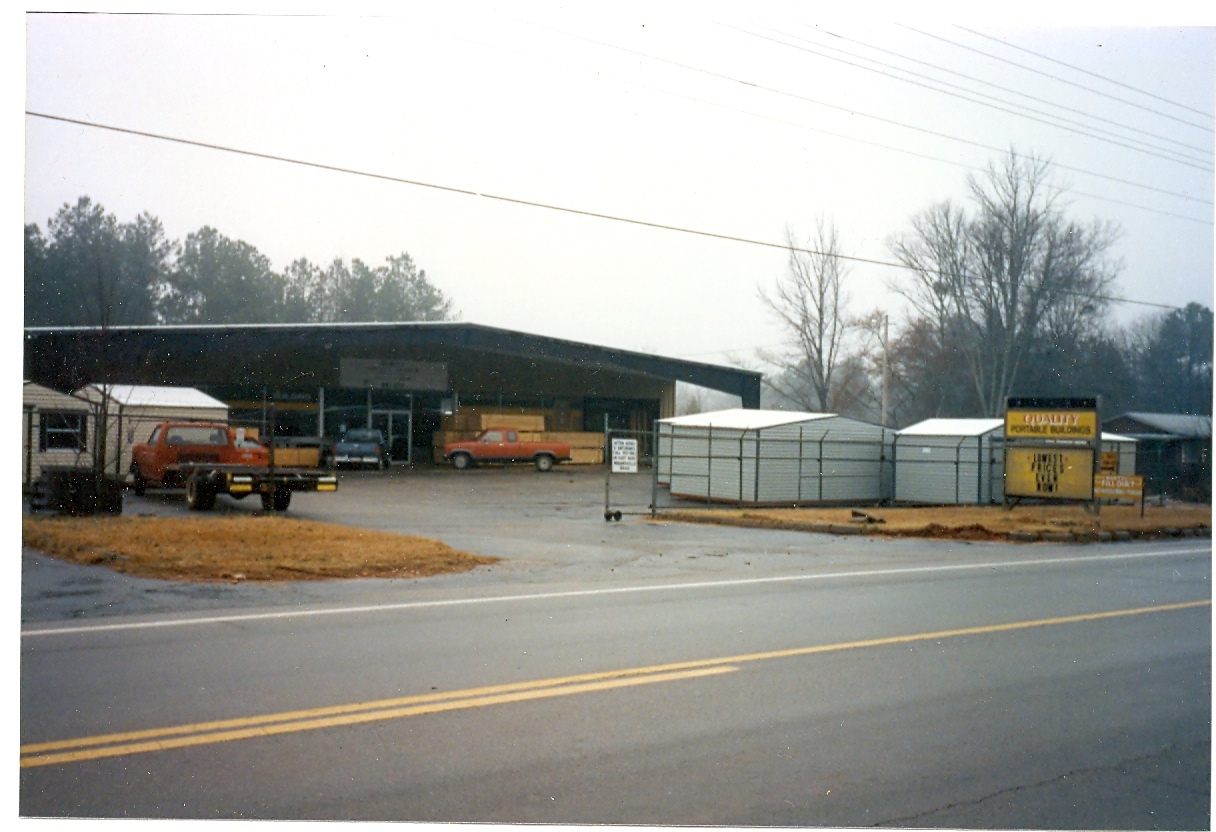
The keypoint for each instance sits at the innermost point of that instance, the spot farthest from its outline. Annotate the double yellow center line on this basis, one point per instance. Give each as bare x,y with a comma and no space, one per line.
226,730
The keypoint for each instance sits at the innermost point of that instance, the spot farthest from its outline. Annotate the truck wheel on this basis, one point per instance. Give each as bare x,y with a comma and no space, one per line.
141,485
461,461
281,500
544,462
199,496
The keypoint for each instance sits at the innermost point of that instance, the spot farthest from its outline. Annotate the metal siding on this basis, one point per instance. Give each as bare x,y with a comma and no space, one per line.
929,477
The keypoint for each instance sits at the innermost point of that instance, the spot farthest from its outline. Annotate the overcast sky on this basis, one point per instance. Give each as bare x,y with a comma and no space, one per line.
719,119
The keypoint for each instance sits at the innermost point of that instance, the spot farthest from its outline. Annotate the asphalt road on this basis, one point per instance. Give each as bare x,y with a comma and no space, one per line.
628,673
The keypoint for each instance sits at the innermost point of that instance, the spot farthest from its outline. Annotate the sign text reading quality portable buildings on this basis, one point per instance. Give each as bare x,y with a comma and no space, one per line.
1025,421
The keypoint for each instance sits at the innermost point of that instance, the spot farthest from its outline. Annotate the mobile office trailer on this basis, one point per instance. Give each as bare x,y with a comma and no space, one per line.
133,410
763,457
962,461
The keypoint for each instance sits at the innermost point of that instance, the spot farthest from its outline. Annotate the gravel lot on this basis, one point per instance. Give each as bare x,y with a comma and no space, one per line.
548,528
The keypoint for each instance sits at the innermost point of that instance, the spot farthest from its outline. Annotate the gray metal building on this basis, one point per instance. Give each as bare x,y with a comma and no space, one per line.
962,461
775,457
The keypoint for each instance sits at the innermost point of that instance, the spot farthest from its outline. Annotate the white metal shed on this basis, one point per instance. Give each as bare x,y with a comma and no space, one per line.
950,461
134,410
775,457
962,461
56,430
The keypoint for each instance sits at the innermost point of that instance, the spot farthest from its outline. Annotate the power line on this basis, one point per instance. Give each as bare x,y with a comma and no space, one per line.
1062,122
1086,71
514,200
974,79
1055,77
980,145
846,137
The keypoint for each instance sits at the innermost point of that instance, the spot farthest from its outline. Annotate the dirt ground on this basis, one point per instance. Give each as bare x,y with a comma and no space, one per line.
234,549
969,522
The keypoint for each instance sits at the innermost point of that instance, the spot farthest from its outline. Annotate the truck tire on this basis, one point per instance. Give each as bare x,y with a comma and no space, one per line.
141,485
461,461
199,495
544,462
281,500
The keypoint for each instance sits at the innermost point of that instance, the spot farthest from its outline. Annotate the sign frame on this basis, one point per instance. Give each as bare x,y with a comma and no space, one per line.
1054,425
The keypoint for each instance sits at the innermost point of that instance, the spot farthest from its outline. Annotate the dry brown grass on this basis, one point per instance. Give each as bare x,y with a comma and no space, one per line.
966,522
241,548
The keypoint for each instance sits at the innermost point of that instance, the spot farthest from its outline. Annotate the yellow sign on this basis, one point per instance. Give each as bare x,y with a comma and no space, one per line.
1119,487
1109,464
1049,472
1051,424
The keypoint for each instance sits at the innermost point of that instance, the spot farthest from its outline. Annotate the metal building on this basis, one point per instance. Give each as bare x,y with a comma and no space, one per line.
775,457
133,410
950,462
962,461
404,378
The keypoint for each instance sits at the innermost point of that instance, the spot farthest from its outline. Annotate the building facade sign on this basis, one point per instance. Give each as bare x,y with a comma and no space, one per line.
392,374
1054,472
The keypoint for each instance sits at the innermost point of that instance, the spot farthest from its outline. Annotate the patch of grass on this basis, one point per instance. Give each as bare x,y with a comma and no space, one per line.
965,522
241,548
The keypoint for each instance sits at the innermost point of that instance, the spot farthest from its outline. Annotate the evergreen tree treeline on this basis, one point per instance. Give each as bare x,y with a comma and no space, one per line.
89,269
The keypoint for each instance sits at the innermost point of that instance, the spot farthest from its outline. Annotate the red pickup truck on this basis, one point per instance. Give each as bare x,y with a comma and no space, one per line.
504,445
210,458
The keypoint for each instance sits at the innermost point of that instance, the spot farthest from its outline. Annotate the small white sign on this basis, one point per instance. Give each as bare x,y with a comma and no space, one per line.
624,456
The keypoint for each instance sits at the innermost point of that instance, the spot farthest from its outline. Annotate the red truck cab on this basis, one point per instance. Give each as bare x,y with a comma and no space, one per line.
174,443
504,445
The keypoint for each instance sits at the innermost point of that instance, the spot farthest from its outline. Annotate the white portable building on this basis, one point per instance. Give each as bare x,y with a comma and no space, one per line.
133,410
775,457
962,461
950,462
56,430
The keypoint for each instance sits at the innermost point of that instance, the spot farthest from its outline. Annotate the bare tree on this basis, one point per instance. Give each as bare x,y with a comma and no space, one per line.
992,283
810,304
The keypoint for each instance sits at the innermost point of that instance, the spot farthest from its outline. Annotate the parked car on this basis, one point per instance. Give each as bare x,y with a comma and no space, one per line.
504,445
364,447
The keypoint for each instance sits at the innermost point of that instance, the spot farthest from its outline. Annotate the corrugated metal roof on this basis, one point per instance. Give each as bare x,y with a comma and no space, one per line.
953,427
139,395
1179,424
738,418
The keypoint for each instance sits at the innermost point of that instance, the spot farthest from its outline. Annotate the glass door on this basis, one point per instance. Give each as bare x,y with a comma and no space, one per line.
397,426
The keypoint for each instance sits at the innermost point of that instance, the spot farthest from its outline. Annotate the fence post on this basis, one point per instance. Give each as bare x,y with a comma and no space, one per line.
654,473
801,428
894,471
957,451
756,489
709,465
740,467
821,438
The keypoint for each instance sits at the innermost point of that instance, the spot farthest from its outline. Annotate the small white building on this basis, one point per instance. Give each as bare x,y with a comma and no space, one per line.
56,430
962,461
133,410
775,457
950,462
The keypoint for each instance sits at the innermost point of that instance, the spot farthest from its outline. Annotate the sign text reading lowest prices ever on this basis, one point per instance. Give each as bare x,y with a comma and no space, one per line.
1049,472
1051,424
